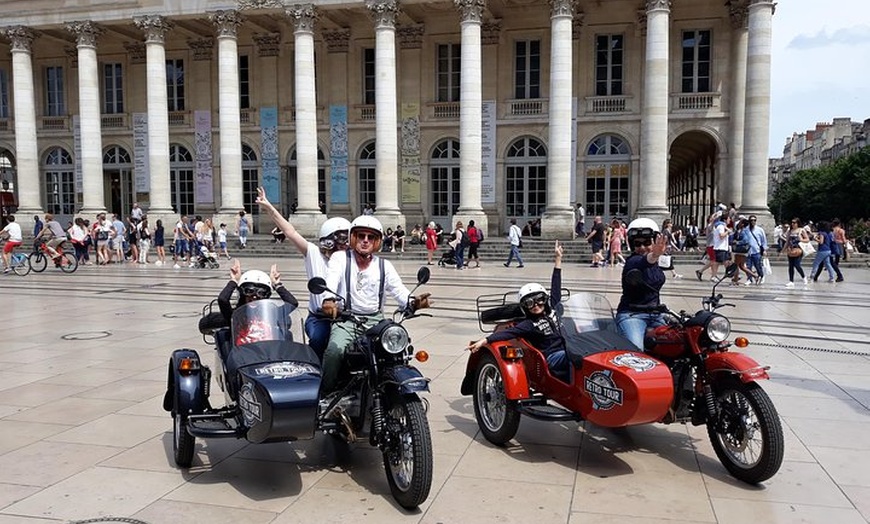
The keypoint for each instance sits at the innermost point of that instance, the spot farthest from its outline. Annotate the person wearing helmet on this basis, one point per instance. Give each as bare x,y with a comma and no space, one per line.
362,279
541,327
252,285
333,237
642,279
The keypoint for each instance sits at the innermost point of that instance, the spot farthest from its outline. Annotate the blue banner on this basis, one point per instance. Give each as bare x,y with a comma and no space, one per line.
338,154
269,145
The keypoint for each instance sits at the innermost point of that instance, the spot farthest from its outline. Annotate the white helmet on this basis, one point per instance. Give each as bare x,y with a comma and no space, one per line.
255,282
530,289
367,222
642,228
333,225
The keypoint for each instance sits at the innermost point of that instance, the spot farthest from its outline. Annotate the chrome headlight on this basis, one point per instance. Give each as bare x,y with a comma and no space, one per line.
395,339
718,328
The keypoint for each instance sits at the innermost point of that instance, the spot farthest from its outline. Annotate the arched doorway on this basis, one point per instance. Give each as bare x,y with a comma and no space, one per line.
608,170
181,179
118,179
250,180
525,180
692,171
366,179
444,182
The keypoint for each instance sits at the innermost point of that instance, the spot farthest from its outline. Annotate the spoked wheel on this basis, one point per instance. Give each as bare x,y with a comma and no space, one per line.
68,262
21,265
182,441
747,437
408,453
38,262
497,417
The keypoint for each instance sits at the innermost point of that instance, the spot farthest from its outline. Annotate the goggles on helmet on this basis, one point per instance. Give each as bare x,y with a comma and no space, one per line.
255,291
539,299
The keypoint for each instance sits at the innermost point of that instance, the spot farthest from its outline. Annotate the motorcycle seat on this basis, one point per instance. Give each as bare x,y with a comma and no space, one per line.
588,343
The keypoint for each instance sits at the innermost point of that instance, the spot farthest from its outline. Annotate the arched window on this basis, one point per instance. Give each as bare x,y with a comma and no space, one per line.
444,181
7,174
525,179
291,181
118,172
366,176
608,165
250,180
60,184
181,181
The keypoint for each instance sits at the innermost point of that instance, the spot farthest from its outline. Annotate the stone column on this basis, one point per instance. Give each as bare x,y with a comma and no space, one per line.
384,13
654,114
26,154
229,121
308,216
558,221
470,114
730,186
756,137
87,33
160,198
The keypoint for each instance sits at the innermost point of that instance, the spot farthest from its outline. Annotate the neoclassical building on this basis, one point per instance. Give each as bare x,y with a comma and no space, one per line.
429,110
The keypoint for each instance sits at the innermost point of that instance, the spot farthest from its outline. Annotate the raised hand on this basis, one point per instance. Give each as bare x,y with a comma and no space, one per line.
274,274
236,271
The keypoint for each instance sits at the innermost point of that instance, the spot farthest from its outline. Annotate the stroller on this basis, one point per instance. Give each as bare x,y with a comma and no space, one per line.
206,258
448,257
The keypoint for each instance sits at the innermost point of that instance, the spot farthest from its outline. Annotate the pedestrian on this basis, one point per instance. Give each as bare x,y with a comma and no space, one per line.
796,236
137,212
515,237
756,253
579,220
838,248
144,235
617,237
670,247
160,243
222,240
596,240
721,236
692,233
431,236
823,254
37,226
242,229
458,244
475,237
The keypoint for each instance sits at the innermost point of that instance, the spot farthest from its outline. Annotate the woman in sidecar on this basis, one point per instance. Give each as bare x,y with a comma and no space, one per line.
252,285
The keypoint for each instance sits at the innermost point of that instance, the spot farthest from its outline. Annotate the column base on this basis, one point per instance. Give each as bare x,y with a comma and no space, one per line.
27,213
656,214
307,223
166,215
557,225
481,221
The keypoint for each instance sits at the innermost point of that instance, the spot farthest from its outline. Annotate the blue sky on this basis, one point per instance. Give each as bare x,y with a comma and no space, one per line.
821,65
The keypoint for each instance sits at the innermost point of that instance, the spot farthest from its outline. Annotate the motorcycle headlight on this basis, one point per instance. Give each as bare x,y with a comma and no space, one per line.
718,328
395,339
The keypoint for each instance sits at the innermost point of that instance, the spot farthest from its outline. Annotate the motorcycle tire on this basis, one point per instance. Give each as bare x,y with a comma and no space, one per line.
38,262
183,443
68,263
496,416
408,462
748,436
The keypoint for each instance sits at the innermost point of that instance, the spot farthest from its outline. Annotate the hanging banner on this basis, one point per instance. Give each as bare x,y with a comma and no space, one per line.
77,152
202,145
410,150
141,173
269,148
338,181
487,168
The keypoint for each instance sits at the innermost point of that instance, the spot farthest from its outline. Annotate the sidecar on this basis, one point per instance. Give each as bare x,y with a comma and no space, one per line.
271,383
612,383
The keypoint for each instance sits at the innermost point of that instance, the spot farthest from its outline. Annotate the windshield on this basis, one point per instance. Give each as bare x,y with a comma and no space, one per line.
262,320
584,312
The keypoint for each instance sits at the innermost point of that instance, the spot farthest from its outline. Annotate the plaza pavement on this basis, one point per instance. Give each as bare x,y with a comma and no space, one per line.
83,435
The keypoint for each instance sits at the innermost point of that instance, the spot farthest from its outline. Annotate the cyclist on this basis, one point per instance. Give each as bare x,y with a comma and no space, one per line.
54,234
12,232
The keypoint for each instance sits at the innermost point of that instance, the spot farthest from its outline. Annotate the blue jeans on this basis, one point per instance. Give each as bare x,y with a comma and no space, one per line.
459,255
822,257
633,326
515,252
317,329
559,365
753,260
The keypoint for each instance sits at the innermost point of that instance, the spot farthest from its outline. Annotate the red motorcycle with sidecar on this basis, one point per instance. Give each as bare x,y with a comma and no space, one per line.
687,373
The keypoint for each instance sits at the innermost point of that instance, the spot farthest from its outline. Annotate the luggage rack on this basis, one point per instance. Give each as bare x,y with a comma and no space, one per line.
501,307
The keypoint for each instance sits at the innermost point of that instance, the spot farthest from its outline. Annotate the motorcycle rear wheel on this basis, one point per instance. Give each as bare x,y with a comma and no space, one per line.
38,262
183,443
408,461
497,417
748,436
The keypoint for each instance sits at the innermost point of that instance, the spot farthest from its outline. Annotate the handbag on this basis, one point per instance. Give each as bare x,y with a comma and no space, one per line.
795,251
849,247
765,264
102,235
741,247
520,244
807,248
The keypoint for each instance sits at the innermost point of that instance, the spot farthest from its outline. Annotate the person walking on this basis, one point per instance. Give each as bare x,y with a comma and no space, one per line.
242,230
431,235
144,236
475,237
823,254
515,236
756,253
617,237
458,244
160,243
796,235
596,240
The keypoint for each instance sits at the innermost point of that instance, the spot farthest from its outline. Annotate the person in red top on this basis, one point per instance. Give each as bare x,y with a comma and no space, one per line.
431,241
474,238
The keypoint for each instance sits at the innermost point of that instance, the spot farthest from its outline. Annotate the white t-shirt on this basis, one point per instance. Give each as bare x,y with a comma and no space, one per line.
222,235
14,231
720,238
364,285
315,266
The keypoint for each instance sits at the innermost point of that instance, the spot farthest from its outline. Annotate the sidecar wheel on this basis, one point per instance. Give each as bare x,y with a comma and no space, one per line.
497,417
748,436
408,457
182,442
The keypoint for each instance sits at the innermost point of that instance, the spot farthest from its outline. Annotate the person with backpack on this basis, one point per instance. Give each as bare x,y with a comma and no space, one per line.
475,237
459,243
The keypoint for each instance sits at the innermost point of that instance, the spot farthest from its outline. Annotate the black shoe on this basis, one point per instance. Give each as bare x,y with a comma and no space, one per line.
840,279
521,265
506,265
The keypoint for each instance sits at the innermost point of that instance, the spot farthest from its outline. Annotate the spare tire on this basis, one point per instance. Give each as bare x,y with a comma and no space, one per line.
212,322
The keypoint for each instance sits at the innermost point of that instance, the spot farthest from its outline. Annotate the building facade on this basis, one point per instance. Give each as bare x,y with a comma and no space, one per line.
428,110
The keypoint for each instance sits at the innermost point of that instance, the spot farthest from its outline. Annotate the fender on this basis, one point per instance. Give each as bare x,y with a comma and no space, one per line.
516,383
184,393
737,364
406,379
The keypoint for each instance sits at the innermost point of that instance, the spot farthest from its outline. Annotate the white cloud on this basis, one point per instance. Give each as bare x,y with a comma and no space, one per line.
855,35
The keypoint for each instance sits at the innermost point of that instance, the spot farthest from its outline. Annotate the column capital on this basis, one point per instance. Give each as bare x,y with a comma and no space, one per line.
490,32
22,37
203,48
410,36
337,41
86,32
470,10
260,4
562,8
383,12
739,14
658,5
136,52
154,27
303,16
226,23
268,44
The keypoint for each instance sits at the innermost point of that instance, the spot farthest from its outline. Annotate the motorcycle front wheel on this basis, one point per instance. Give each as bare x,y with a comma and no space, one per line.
497,417
747,436
182,442
408,457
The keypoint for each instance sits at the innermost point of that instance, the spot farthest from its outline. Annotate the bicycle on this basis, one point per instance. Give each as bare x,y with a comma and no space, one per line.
67,262
19,263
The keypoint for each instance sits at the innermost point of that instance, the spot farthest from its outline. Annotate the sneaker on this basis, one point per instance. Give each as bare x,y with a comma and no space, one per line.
7,270
521,265
678,276
790,284
839,279
699,275
806,281
506,265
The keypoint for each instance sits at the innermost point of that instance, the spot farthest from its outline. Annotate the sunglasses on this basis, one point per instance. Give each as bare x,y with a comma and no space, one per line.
366,236
255,291
534,300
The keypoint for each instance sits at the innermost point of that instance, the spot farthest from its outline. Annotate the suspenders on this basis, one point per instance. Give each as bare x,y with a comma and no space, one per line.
347,301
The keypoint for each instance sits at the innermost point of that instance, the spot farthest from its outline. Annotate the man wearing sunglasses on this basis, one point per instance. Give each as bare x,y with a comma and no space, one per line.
541,327
361,278
252,285
333,237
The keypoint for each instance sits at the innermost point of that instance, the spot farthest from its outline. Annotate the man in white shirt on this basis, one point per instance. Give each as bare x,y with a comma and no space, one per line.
721,252
137,212
12,232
